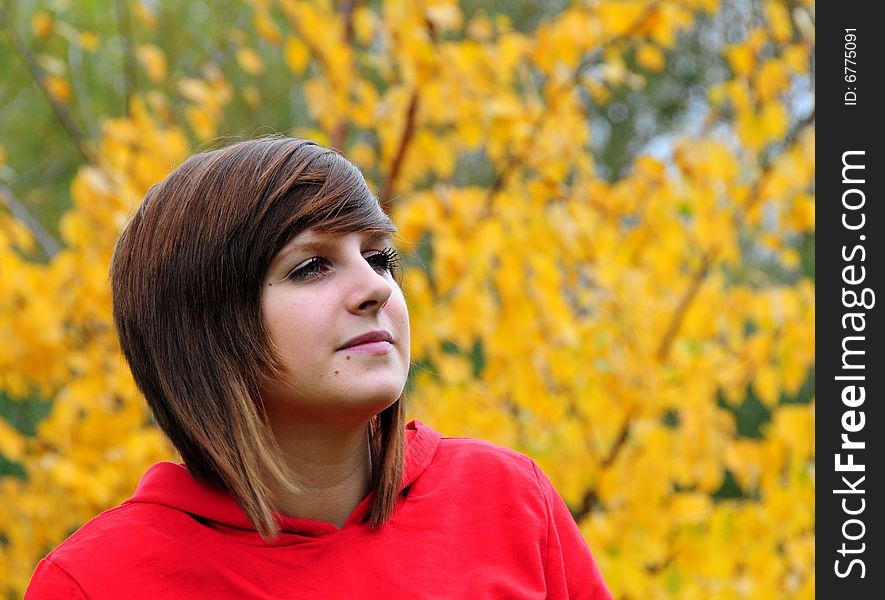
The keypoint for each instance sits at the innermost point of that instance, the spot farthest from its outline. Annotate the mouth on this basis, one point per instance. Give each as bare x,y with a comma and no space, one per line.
371,341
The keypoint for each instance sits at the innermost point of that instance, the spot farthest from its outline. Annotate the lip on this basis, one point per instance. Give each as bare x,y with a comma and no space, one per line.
373,340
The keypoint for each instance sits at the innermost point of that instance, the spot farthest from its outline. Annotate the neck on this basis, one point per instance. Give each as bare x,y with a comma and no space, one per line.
331,467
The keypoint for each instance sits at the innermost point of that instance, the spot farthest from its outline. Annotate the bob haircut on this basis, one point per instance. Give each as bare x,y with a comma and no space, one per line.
186,280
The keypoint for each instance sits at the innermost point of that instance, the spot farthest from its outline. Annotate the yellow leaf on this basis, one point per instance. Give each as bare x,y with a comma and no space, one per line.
250,61
794,426
159,104
751,130
779,21
313,133
774,120
790,258
717,94
690,508
363,155
338,62
21,236
767,385
252,96
470,132
43,24
618,17
144,14
194,90
797,58
89,41
58,88
741,58
597,89
480,28
153,61
503,24
12,443
364,24
296,54
650,58
771,79
445,17
365,108
266,27
756,39
739,94
201,121
802,214
75,230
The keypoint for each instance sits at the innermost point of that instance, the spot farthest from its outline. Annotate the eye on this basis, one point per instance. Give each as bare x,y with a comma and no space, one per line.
313,268
386,260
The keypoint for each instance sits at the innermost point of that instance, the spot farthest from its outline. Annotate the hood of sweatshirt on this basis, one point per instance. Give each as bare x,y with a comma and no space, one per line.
171,484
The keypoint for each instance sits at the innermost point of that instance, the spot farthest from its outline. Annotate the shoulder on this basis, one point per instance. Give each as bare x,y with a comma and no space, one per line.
428,450
120,540
476,454
488,467
93,535
473,485
431,455
112,530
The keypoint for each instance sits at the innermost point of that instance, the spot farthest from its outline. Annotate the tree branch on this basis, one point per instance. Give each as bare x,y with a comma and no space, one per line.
624,35
339,136
130,81
517,157
710,256
84,98
38,76
408,132
588,502
405,139
49,245
685,302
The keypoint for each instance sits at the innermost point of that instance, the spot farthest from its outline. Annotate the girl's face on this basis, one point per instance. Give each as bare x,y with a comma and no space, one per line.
321,294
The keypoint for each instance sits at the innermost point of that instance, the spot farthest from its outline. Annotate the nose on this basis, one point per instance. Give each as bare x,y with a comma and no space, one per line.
371,290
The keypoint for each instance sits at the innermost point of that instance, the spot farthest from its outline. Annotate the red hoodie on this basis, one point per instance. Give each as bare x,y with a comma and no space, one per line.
474,520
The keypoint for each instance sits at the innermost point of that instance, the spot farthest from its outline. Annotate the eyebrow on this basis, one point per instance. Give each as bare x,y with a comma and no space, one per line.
324,241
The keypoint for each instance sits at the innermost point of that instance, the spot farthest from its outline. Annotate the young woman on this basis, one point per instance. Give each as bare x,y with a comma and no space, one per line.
257,305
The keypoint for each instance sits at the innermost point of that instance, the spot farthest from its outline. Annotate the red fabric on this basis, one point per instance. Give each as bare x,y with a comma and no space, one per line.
474,521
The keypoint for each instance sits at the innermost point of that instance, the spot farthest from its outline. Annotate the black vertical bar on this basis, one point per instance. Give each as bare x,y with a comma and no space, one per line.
848,279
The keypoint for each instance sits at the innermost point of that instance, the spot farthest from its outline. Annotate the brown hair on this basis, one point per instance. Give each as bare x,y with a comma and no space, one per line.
186,282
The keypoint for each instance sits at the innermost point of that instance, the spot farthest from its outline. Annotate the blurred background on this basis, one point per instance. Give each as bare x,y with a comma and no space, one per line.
606,211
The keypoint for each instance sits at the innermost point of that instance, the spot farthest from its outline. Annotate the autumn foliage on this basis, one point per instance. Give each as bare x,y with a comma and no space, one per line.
644,333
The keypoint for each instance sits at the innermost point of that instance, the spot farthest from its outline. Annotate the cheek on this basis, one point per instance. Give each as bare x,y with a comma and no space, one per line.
396,308
399,314
290,325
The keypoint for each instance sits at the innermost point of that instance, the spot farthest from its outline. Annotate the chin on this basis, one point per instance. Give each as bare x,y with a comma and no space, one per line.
356,397
359,409
378,396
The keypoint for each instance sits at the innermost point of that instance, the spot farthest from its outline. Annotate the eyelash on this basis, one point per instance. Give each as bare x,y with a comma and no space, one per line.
390,260
317,266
